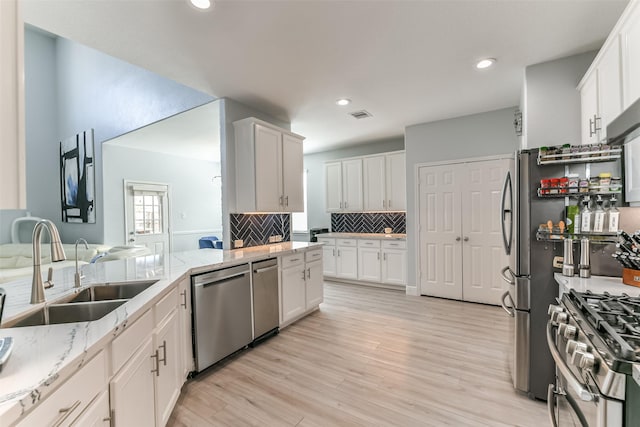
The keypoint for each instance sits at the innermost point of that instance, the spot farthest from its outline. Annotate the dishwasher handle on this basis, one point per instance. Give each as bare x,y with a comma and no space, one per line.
219,276
265,269
221,280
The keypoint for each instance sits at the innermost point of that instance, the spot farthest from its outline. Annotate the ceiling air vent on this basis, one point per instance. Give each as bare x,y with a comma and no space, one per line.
362,114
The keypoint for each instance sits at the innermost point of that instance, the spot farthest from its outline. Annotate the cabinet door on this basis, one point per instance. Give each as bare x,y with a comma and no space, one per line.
184,310
609,86
268,160
293,293
369,264
374,183
396,182
333,186
589,108
169,381
329,261
347,262
292,173
394,266
132,389
352,185
97,414
315,289
630,38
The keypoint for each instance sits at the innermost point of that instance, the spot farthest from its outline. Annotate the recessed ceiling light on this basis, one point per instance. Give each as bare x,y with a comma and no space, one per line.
343,101
485,63
201,4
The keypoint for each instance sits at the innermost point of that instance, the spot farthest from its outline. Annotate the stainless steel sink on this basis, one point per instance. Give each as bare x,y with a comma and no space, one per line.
69,313
111,291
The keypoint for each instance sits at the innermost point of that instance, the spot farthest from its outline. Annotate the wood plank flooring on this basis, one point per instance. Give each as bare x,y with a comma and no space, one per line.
369,357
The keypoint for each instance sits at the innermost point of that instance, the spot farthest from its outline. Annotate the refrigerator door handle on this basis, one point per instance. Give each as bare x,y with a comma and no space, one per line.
508,188
508,308
510,280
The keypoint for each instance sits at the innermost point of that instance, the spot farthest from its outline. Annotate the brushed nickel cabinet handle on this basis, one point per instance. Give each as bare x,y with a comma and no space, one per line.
184,299
157,363
65,412
164,353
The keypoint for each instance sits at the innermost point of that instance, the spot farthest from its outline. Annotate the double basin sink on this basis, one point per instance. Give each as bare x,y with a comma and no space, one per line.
90,304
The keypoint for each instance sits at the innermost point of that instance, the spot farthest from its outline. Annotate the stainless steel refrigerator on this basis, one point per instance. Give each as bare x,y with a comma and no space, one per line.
531,286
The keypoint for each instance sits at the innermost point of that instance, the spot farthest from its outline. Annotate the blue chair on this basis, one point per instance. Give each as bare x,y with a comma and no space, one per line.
210,242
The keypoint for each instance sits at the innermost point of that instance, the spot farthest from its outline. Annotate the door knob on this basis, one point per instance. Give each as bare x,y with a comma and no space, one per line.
458,239
466,239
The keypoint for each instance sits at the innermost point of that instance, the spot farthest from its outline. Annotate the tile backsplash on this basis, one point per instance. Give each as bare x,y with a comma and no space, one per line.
368,222
255,229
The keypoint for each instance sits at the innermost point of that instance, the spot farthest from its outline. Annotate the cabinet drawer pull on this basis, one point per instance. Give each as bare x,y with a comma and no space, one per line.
184,299
164,353
308,273
294,260
286,201
157,363
65,412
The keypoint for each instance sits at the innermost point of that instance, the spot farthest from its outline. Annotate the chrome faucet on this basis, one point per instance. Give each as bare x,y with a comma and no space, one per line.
78,277
57,254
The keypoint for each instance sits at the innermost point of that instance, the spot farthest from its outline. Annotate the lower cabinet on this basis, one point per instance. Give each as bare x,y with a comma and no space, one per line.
394,266
301,288
184,310
97,414
369,260
346,259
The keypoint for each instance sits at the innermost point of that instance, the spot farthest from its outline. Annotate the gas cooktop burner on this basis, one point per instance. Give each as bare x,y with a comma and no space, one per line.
616,318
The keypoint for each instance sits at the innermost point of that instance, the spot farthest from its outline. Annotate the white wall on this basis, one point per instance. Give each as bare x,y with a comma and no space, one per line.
195,196
551,101
314,163
478,135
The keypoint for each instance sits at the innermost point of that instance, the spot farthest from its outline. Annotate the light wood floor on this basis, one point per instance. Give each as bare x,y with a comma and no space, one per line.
369,357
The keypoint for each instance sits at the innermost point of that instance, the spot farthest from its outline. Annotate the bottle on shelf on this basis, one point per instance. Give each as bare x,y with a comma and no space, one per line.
598,216
614,216
586,217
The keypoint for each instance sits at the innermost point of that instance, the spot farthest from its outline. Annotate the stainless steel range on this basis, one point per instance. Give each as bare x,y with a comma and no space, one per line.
595,342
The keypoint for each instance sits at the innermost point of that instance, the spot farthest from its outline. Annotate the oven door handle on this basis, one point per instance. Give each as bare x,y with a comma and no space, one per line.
551,405
579,388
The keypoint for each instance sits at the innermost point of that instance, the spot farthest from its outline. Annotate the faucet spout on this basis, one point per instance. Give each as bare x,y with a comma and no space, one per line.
78,276
57,254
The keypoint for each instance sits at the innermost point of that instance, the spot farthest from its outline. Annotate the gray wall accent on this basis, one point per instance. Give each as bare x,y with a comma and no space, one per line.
231,111
194,195
314,164
6,218
552,102
72,88
478,135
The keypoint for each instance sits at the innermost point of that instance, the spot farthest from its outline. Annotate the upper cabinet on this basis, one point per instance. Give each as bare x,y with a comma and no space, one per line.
612,82
269,168
384,182
343,185
369,183
12,161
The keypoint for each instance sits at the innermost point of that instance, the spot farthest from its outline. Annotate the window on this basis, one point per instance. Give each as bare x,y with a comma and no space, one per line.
147,212
299,219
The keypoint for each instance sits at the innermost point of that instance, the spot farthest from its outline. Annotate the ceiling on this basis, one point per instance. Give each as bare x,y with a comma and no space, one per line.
197,133
405,62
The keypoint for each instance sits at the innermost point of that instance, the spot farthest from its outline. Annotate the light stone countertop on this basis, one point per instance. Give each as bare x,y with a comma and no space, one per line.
379,236
596,284
44,356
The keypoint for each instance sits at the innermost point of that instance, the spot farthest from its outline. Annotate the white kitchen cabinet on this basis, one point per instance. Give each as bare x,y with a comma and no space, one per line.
314,284
394,263
66,403
369,260
269,168
346,259
168,379
12,142
184,310
589,119
384,182
328,256
301,283
343,185
293,292
97,414
630,44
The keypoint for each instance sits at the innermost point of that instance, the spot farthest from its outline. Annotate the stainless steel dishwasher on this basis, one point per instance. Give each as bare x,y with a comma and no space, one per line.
221,314
266,306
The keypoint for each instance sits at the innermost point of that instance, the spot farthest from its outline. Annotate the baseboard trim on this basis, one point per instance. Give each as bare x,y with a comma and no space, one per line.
363,283
412,290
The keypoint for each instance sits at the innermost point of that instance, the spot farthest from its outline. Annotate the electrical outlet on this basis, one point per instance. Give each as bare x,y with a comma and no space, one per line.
277,238
238,243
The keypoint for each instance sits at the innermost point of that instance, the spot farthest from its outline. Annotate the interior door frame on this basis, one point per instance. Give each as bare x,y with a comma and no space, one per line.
127,183
416,198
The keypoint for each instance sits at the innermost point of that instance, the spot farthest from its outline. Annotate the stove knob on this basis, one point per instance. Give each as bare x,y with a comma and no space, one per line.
570,332
553,308
559,317
574,346
577,357
588,361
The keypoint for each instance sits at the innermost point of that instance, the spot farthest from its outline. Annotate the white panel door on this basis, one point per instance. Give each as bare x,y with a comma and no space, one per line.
630,38
333,186
369,264
315,288
292,173
268,159
396,182
374,183
352,185
589,109
394,266
347,262
147,215
483,251
609,86
440,231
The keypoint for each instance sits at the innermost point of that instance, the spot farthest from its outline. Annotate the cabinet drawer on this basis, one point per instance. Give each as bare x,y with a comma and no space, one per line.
368,243
395,244
313,255
347,242
327,241
165,305
68,401
127,342
291,260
